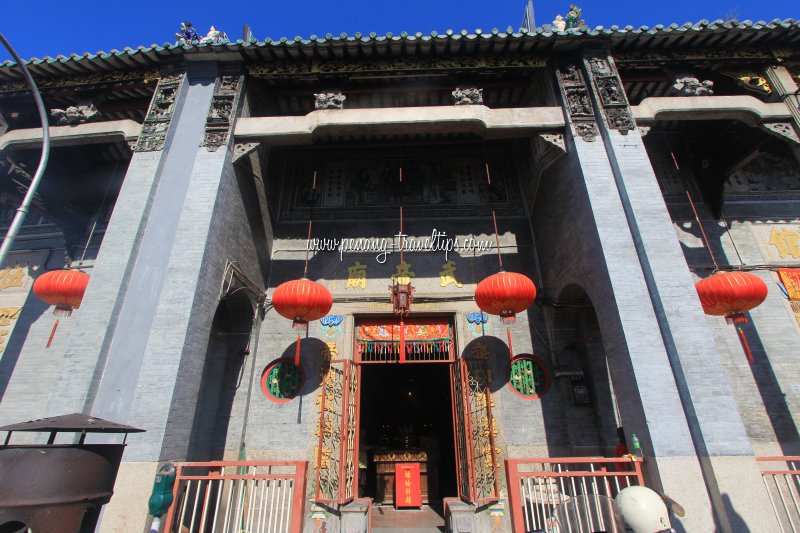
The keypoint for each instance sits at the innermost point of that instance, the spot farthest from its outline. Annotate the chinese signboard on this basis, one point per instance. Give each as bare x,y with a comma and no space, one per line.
779,243
16,279
407,491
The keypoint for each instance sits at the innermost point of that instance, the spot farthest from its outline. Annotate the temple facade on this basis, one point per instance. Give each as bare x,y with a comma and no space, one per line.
613,167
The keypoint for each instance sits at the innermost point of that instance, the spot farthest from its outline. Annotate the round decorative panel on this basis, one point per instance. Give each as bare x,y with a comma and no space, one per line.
528,376
282,380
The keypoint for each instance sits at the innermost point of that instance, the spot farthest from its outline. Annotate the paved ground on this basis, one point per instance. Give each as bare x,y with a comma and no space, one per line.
385,519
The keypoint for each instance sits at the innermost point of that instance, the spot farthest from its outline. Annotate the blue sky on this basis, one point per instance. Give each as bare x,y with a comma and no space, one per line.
49,27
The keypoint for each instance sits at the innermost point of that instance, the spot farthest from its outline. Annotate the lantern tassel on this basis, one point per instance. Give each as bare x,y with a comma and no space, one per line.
52,334
297,352
402,342
510,347
745,345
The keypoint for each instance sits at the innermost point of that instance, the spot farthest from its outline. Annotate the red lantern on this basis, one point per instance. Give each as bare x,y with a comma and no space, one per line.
62,288
731,294
505,294
301,300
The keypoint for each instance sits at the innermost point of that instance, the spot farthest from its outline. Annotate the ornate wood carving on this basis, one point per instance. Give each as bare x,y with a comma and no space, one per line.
575,93
689,86
586,131
475,430
555,139
467,96
114,77
222,111
784,130
329,100
547,149
290,68
156,122
752,81
610,94
77,114
242,149
335,455
705,55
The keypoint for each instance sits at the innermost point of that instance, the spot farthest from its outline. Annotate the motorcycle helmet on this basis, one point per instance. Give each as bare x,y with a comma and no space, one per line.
642,510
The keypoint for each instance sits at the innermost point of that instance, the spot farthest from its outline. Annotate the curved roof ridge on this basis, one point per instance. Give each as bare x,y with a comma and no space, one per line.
628,33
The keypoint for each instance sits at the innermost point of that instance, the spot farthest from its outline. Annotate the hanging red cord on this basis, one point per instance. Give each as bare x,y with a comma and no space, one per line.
310,223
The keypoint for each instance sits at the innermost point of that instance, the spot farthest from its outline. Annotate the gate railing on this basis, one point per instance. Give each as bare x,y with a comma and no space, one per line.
781,477
233,496
537,486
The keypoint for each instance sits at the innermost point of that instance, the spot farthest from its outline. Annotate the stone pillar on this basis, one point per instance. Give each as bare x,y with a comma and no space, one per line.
718,435
88,347
141,343
649,401
781,81
208,232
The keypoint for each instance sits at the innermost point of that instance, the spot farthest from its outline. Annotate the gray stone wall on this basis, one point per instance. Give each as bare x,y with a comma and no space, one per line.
28,367
766,392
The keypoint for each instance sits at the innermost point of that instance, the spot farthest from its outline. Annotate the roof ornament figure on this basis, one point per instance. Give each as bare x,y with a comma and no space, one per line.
77,114
332,100
559,24
467,96
574,19
187,35
688,86
215,36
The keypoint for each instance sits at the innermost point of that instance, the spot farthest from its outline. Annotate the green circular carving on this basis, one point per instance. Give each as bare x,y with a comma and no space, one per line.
282,380
529,377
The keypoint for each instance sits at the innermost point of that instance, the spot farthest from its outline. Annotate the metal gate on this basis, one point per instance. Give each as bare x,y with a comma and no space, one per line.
474,430
781,476
337,448
230,497
537,486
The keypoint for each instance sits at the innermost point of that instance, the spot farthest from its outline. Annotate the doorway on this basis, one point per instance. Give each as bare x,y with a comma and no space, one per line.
406,413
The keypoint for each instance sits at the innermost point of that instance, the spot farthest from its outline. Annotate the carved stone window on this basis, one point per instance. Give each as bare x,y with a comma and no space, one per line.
282,380
528,376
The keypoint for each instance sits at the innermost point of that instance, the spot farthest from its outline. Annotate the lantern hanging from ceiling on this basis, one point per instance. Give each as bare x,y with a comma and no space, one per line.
505,294
402,298
301,301
731,294
62,288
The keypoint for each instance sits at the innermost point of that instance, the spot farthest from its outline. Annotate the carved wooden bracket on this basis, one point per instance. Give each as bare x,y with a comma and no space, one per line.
240,150
784,130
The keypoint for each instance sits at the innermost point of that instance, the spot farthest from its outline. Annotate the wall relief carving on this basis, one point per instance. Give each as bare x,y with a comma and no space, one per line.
467,96
575,94
784,130
610,94
688,86
222,111
77,114
333,100
156,122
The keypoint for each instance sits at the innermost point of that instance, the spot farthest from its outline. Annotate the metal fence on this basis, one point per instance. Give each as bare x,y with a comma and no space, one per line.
230,497
781,478
537,486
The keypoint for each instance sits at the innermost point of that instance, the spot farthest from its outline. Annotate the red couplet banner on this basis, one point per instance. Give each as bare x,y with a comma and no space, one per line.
407,491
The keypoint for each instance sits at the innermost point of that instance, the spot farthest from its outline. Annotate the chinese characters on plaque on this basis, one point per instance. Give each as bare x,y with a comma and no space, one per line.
407,491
